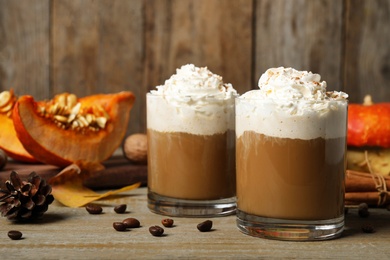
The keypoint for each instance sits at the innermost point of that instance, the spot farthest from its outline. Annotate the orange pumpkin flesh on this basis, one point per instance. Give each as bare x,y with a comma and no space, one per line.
53,145
369,125
10,143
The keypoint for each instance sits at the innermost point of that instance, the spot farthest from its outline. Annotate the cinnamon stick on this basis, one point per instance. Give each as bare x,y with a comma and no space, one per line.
368,188
371,198
362,182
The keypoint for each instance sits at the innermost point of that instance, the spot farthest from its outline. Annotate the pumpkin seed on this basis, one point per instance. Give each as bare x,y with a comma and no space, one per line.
67,113
61,119
7,108
71,100
101,122
61,100
5,98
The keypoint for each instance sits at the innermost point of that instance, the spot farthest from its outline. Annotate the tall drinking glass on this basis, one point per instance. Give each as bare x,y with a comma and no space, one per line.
290,168
191,157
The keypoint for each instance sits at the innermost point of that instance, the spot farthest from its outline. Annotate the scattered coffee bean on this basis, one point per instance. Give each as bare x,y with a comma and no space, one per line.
167,222
120,208
131,223
156,231
367,228
363,210
94,209
205,226
119,226
15,235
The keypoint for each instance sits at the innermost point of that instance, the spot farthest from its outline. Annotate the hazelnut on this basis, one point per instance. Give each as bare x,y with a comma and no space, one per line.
135,148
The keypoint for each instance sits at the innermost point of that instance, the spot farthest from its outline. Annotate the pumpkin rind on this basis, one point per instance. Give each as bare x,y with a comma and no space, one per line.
53,145
369,125
10,143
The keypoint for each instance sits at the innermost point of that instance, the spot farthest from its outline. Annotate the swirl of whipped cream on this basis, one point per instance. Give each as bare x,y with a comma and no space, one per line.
288,83
295,91
195,86
194,100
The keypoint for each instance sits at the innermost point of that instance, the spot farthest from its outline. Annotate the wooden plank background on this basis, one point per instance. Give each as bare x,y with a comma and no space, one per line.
102,46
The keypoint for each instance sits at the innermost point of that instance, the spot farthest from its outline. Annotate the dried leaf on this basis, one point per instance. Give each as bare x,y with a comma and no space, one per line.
74,196
68,188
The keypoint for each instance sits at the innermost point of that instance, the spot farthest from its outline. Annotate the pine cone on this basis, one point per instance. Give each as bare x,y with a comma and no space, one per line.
24,200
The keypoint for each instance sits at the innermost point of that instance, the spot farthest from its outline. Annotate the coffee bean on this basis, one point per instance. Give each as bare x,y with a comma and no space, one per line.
156,231
205,226
368,228
94,209
131,223
167,222
120,208
363,210
119,226
15,235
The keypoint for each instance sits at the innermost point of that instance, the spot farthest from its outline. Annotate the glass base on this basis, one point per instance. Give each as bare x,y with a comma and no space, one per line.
191,208
293,230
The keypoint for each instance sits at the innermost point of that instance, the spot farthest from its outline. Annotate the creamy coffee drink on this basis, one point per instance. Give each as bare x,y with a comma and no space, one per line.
286,185
184,165
191,144
290,155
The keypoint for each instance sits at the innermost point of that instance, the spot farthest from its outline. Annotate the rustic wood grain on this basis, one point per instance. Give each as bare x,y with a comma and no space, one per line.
24,47
367,50
97,46
303,34
67,233
212,33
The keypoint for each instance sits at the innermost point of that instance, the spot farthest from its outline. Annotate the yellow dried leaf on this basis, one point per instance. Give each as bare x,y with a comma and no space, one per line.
77,195
68,188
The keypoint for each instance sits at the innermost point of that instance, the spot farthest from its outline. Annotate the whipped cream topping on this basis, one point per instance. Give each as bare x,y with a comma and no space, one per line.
295,92
288,83
294,104
194,100
192,84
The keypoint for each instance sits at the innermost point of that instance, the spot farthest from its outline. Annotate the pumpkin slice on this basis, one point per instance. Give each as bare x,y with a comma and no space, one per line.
49,131
9,141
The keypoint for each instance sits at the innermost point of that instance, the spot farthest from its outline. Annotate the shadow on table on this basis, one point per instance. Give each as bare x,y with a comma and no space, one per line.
378,220
45,219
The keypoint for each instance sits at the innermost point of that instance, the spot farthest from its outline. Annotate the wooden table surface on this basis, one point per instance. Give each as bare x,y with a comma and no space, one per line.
72,233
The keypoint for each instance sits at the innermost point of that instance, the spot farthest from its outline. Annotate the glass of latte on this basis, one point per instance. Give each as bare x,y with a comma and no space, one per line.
290,154
191,145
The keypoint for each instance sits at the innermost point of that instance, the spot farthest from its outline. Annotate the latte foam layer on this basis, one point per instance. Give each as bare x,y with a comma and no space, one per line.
292,104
